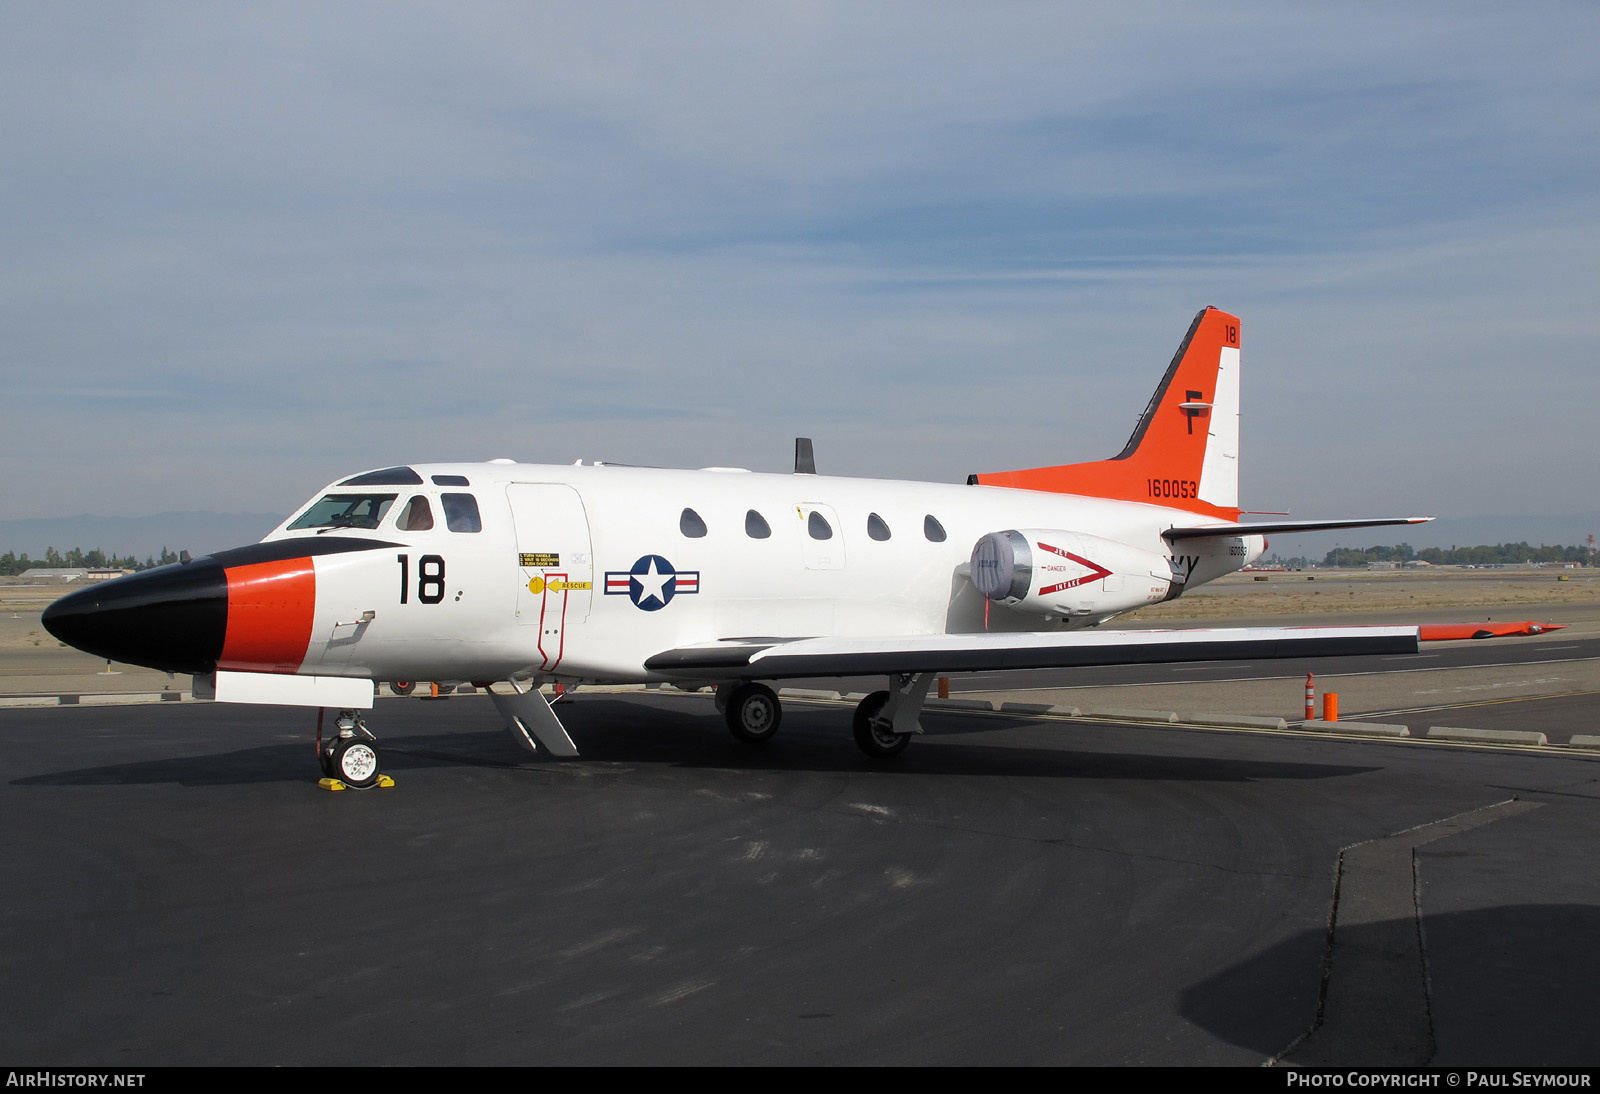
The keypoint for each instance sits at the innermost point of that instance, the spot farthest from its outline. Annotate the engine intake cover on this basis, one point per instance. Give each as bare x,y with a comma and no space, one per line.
1053,572
1002,566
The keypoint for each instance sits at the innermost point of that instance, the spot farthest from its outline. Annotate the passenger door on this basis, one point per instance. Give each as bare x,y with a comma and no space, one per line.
555,563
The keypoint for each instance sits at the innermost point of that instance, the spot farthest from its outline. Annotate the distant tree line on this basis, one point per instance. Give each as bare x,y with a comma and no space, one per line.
1502,554
13,564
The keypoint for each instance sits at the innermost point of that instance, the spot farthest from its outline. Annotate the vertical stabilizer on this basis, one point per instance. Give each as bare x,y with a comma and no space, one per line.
1184,452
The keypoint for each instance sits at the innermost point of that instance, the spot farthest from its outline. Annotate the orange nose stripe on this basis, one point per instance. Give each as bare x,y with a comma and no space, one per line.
270,605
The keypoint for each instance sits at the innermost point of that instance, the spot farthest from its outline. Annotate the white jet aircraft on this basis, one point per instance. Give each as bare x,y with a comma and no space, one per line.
514,575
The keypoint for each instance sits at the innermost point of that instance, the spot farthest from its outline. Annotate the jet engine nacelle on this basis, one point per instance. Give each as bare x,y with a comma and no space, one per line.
1063,574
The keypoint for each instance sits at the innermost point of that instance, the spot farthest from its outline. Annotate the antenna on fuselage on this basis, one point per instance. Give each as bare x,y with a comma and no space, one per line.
804,462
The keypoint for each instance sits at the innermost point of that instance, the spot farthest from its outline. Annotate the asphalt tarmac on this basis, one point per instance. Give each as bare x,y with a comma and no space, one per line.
1009,890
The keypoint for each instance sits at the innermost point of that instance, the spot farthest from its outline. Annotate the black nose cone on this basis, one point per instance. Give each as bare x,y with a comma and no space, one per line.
173,618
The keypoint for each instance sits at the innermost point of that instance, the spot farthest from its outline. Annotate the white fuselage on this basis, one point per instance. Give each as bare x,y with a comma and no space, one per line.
581,573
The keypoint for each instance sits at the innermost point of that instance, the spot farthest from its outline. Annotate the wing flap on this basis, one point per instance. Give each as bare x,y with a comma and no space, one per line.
1031,650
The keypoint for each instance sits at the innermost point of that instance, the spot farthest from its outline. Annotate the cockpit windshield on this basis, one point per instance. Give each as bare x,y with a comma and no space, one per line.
345,511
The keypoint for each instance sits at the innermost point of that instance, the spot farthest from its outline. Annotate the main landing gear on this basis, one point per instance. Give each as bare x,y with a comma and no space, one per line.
874,734
349,758
752,711
885,720
883,723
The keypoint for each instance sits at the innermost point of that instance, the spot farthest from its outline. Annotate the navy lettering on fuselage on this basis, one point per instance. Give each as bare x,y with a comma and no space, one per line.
1183,567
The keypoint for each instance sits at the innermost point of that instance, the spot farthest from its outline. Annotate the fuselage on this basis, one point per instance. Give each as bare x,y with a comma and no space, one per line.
581,573
486,571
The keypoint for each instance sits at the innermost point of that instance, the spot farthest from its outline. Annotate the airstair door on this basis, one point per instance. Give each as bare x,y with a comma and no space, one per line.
555,564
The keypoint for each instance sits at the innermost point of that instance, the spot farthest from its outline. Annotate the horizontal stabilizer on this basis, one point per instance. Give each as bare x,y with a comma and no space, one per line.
1284,527
772,660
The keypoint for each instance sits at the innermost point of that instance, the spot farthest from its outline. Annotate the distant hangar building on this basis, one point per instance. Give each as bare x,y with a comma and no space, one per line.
61,575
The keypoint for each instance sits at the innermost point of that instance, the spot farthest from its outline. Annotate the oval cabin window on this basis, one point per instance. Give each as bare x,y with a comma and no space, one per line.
932,529
755,525
876,528
691,525
818,527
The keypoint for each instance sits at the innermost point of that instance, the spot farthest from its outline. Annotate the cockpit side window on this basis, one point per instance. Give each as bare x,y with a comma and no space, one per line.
461,513
417,516
345,511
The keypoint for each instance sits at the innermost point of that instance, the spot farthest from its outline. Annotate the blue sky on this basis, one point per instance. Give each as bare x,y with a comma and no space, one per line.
245,250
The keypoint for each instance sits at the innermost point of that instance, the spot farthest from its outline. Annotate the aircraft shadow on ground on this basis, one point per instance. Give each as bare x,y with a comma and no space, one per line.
819,741
612,733
1514,985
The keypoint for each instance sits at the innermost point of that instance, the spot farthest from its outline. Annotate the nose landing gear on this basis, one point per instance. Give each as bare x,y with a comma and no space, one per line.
349,759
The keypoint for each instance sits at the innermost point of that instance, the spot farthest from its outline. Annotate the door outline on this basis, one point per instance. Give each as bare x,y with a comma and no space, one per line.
556,587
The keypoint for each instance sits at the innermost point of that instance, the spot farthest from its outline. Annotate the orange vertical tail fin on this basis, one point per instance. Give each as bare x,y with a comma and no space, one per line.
1184,452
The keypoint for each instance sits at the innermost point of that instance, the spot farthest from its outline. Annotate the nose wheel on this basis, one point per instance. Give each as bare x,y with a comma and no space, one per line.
349,759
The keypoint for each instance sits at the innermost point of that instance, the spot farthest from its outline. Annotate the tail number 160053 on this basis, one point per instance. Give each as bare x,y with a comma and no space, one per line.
1173,488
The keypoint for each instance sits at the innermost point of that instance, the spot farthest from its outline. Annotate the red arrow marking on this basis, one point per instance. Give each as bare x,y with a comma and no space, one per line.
1096,571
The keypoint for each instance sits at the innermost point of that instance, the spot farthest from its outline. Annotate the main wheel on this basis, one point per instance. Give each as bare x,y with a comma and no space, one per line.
753,713
877,742
354,762
403,687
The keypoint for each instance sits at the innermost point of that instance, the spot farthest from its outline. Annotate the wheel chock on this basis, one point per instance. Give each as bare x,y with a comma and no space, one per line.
384,782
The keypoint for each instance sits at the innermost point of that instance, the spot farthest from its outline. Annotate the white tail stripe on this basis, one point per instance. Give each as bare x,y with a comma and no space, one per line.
1219,472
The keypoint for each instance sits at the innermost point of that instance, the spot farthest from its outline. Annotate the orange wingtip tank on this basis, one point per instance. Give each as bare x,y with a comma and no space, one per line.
1443,632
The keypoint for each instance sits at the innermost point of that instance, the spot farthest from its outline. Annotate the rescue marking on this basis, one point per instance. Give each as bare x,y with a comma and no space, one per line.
560,623
555,585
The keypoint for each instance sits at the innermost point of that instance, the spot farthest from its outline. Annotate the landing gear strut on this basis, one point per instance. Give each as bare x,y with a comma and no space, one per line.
350,756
